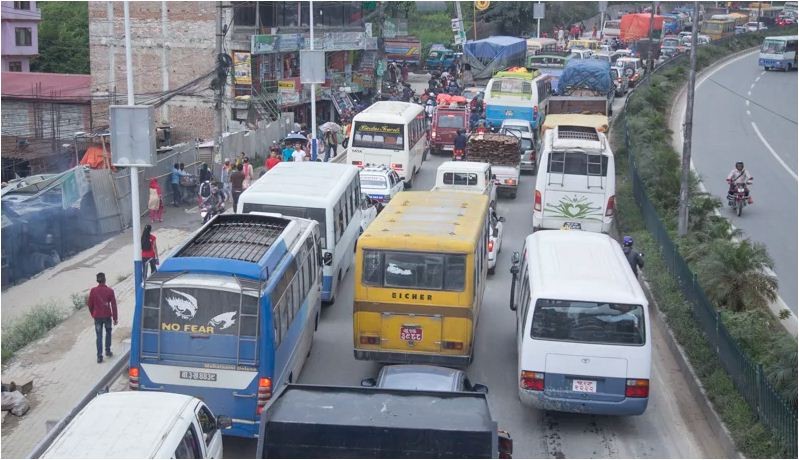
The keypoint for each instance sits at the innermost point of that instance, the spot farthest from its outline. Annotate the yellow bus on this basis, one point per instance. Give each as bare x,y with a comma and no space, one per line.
717,29
420,275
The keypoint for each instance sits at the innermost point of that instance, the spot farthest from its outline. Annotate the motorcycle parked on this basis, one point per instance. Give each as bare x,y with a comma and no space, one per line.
738,200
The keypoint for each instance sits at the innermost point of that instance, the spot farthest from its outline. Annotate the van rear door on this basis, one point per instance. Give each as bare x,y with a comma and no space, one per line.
575,190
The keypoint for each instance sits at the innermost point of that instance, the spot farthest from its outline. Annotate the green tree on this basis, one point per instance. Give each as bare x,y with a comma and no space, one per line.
63,38
516,18
734,278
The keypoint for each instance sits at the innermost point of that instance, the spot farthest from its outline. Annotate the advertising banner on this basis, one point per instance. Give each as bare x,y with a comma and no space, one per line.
242,65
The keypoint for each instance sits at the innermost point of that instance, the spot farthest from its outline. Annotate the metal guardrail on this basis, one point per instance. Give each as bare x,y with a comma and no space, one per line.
101,387
768,405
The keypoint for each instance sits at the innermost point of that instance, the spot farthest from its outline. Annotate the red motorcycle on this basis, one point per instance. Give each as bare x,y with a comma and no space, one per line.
458,155
738,197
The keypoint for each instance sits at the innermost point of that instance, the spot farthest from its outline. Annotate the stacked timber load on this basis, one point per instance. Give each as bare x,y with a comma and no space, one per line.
497,149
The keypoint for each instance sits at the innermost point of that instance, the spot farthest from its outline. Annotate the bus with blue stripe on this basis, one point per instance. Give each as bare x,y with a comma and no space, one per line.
778,53
329,193
230,316
517,94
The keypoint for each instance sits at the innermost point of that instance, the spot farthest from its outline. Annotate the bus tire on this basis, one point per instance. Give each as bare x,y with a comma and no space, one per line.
513,195
491,270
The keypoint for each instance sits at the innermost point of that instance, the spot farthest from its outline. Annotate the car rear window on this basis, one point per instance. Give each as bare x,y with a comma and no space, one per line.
373,182
451,121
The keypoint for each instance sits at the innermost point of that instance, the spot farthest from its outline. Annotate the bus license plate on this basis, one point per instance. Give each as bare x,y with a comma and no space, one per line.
584,386
571,226
194,375
410,334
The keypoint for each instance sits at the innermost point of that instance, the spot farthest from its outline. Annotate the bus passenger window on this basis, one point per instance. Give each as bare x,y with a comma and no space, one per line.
372,268
455,278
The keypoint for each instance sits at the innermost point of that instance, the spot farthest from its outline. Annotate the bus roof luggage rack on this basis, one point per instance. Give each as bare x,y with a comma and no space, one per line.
578,132
243,237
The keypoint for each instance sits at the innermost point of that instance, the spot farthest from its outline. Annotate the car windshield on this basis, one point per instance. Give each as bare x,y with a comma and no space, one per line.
451,121
588,322
416,380
378,182
515,127
527,144
773,47
671,42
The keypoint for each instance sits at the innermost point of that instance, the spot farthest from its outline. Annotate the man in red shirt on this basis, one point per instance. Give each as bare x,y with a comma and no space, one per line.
103,307
272,161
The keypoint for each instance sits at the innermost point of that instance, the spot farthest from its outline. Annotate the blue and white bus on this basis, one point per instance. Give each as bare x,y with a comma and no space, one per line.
329,193
230,316
778,53
517,94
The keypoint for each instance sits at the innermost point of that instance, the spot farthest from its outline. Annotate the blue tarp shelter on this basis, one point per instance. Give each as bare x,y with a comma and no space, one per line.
490,55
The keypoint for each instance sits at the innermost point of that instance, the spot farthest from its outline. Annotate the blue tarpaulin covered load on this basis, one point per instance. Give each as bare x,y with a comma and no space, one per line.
493,54
586,76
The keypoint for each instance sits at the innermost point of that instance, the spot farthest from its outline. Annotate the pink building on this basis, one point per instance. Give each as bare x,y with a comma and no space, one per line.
20,40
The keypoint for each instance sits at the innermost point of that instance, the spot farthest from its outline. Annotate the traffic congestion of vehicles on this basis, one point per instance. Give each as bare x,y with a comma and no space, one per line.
227,323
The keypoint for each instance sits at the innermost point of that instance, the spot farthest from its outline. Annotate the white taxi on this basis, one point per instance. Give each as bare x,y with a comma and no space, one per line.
495,241
380,183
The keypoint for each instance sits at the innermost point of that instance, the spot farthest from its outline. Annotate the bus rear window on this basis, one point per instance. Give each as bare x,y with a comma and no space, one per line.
200,311
378,135
440,272
588,322
578,163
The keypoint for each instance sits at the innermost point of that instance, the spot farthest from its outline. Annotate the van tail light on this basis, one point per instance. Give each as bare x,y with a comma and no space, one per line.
530,380
370,340
358,164
264,393
396,165
452,345
637,388
133,378
537,205
490,245
611,208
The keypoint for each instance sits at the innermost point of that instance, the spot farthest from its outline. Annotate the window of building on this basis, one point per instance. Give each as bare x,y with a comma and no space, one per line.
15,66
22,5
24,36
244,14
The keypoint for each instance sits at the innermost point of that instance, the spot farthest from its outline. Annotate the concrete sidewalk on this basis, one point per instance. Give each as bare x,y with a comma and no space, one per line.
63,364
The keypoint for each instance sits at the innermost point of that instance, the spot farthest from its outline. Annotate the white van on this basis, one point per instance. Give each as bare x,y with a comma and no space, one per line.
141,424
583,336
576,182
466,176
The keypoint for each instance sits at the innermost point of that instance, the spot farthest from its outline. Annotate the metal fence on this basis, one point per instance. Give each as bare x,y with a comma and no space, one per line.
772,410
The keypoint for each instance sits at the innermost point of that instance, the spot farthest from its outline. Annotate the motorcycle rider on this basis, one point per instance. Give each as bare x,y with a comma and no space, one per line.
460,144
739,175
214,202
407,92
635,258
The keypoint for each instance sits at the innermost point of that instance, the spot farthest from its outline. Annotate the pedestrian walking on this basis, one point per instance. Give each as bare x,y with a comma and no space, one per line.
248,173
593,32
273,160
149,251
299,153
225,176
102,305
331,143
175,184
155,202
237,186
635,258
288,151
404,72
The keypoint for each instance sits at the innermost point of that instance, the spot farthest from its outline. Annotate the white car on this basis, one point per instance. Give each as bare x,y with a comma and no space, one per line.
580,53
495,241
755,26
513,124
380,183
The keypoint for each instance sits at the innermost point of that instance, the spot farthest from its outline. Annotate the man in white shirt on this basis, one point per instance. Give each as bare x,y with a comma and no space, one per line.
299,154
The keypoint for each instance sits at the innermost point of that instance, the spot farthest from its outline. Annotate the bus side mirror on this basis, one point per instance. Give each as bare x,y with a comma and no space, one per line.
224,422
327,258
480,388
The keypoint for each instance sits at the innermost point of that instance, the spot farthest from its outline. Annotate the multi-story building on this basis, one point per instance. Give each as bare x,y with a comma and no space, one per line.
20,23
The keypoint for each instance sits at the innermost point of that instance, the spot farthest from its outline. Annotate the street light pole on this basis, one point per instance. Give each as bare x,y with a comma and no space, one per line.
134,171
682,215
314,149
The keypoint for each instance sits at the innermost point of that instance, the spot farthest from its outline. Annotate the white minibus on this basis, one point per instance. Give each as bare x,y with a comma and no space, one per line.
390,133
576,182
779,53
328,193
582,325
141,424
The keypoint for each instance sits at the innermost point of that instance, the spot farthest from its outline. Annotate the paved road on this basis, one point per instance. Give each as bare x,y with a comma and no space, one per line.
762,133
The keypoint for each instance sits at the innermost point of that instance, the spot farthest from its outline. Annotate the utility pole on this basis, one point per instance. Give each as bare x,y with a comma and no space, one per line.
314,148
650,45
538,25
220,93
381,48
138,275
682,215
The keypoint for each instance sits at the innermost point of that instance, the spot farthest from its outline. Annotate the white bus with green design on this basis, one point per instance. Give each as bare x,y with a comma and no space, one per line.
576,181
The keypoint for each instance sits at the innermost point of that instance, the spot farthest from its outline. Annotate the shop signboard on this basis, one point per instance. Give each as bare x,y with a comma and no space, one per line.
263,44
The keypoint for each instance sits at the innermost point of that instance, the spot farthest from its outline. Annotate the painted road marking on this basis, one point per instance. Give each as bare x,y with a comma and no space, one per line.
773,153
751,86
749,113
756,80
747,102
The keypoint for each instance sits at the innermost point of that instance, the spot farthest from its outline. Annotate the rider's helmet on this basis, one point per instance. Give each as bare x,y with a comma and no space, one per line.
628,241
739,165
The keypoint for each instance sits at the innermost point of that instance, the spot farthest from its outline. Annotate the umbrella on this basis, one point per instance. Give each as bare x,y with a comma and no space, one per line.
295,137
330,126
